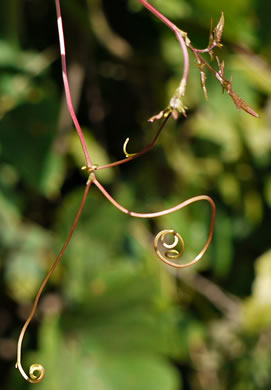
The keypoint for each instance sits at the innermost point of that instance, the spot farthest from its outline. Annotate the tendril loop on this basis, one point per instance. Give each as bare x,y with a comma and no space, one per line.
167,252
36,372
170,249
125,149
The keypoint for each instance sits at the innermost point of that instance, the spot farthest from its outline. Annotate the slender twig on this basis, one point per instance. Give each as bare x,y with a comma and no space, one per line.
166,212
66,83
202,60
158,14
207,50
48,276
145,150
180,36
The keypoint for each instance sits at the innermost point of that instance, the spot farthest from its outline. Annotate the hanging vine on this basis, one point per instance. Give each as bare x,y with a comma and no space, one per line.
168,244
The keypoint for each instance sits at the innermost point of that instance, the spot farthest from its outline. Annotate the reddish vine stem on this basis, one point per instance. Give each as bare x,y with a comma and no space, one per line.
206,50
37,371
202,60
66,82
180,36
166,212
226,84
158,14
145,150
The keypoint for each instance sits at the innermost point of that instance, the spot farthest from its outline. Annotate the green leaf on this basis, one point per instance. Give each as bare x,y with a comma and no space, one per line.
74,362
26,138
257,313
27,264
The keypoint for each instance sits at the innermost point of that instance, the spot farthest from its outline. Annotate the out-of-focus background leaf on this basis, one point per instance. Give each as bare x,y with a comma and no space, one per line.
112,317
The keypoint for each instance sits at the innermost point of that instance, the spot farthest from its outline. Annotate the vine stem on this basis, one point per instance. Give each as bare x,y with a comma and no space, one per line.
45,281
158,14
66,83
166,212
179,34
207,50
145,150
200,59
182,38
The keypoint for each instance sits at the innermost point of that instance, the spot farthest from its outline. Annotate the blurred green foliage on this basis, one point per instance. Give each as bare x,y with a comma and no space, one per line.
112,317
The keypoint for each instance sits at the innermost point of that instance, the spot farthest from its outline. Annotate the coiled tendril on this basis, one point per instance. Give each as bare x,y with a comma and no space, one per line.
167,252
36,372
172,251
